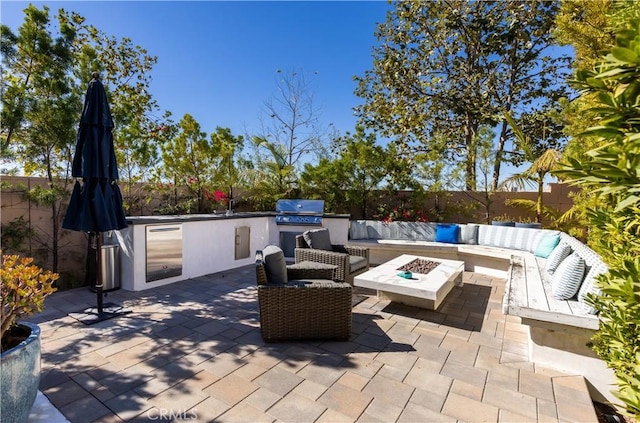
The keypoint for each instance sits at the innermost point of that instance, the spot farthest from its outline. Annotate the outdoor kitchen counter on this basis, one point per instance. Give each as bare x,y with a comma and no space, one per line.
159,250
154,220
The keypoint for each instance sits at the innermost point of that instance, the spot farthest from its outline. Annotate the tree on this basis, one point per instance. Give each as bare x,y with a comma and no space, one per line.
541,166
227,148
352,178
589,26
189,159
444,69
40,108
271,176
126,74
611,172
486,154
45,73
293,121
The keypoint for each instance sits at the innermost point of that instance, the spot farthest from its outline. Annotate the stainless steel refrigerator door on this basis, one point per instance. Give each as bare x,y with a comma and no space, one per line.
164,251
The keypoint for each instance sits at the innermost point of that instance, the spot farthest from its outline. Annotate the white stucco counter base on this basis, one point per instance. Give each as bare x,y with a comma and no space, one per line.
209,243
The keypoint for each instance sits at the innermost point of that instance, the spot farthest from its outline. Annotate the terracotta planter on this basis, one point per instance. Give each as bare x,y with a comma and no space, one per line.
20,376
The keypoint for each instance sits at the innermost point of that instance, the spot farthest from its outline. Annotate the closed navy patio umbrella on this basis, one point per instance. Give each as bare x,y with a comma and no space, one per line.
96,202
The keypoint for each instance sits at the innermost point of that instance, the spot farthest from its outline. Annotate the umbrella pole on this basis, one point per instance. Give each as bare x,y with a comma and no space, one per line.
99,286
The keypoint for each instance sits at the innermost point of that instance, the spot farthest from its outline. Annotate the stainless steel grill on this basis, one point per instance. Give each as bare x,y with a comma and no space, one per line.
293,218
299,212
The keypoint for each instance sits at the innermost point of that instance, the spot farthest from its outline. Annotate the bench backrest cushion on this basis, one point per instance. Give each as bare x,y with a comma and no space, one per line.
424,231
526,239
358,229
376,229
468,234
566,280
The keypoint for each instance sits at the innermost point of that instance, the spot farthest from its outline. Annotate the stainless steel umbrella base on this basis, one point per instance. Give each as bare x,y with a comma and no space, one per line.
91,315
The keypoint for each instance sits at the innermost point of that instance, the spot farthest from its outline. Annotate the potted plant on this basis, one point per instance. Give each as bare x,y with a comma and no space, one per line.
22,293
527,222
503,220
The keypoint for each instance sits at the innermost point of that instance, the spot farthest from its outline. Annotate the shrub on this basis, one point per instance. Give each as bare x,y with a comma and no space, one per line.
22,293
611,172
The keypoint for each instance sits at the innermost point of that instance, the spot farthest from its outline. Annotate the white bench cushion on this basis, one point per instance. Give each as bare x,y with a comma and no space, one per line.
524,239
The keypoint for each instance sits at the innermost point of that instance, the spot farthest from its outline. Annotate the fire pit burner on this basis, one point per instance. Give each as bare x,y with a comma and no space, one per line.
420,266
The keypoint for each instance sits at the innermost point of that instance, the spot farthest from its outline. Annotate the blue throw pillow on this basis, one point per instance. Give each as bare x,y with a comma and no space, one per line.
447,233
546,245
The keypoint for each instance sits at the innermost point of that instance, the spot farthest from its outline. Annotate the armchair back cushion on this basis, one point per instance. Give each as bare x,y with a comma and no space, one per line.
274,264
318,239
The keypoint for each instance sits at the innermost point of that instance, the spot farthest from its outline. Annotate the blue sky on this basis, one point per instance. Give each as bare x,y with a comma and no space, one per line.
218,60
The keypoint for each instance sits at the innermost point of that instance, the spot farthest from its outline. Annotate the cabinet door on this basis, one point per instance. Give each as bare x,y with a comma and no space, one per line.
243,242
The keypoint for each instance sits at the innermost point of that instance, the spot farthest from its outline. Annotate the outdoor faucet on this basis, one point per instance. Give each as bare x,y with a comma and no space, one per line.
230,210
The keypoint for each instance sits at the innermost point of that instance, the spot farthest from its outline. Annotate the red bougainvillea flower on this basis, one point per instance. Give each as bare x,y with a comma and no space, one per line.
220,196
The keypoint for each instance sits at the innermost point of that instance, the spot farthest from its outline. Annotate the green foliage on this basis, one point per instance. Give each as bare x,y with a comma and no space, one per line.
272,177
227,150
541,166
589,26
444,69
14,234
41,106
503,218
611,172
352,179
23,290
585,25
199,164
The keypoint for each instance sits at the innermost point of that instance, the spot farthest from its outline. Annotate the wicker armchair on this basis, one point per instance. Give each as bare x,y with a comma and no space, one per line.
350,260
309,305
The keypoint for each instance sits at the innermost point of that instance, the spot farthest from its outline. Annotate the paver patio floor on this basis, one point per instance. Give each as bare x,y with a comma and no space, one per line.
192,351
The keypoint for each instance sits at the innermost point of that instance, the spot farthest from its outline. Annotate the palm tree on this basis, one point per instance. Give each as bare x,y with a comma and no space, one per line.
540,168
274,178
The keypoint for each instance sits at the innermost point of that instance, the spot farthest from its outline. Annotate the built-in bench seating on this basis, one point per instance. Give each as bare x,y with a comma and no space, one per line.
559,330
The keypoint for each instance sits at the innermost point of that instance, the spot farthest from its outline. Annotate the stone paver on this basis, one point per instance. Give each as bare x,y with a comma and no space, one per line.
194,348
86,409
464,408
231,389
294,408
279,381
345,400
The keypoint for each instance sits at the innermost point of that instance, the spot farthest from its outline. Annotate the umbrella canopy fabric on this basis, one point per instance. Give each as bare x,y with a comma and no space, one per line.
96,204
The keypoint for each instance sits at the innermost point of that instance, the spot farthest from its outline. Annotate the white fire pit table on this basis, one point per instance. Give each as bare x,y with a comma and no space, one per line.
422,290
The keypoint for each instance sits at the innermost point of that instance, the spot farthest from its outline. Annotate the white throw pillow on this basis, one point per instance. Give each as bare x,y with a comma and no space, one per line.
561,252
589,286
568,277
